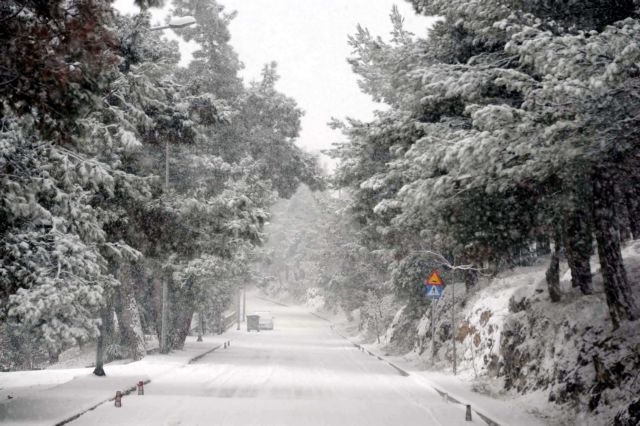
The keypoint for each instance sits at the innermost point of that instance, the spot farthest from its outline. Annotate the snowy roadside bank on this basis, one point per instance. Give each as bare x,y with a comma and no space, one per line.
53,397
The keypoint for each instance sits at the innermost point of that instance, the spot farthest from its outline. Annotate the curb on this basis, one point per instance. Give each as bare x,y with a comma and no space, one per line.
76,416
202,355
322,318
271,301
129,390
400,370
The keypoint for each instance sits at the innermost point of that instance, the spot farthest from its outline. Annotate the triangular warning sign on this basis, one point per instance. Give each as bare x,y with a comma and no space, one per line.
434,279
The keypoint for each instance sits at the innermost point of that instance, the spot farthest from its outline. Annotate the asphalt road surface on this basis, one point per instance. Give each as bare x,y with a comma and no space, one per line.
301,373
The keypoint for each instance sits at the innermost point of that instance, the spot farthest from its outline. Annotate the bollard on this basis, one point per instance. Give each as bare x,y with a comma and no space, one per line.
140,387
118,400
228,343
468,418
225,345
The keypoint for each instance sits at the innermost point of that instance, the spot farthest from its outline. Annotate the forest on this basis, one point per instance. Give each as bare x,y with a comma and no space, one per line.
507,137
122,172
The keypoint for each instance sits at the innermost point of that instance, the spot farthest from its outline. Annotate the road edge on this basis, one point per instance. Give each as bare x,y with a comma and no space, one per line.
131,389
452,398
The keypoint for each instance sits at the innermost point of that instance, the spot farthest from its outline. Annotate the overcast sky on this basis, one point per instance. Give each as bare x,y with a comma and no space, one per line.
308,39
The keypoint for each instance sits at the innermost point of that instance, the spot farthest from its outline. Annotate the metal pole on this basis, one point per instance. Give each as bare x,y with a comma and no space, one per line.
433,333
171,27
244,304
165,313
453,326
165,283
238,313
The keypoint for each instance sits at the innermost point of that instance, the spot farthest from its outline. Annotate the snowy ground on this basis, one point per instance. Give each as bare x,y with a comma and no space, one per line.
47,397
300,373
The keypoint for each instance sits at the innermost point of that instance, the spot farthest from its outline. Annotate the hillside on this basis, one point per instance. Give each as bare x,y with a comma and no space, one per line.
562,361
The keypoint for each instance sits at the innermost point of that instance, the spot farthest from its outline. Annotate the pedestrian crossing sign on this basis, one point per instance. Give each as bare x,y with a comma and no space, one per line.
433,291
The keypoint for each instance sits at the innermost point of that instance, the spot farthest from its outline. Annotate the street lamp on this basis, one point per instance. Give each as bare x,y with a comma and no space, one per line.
175,22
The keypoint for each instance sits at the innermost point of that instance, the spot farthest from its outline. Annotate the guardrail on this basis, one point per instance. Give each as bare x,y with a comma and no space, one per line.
228,320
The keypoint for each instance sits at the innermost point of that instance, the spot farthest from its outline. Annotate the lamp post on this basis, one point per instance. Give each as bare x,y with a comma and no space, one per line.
176,22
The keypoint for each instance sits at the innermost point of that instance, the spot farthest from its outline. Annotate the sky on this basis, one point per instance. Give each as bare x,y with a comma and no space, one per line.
308,40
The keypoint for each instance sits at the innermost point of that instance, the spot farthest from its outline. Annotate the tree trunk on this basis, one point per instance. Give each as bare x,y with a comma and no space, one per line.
129,315
201,330
106,330
220,322
156,283
182,326
99,370
633,207
622,213
54,356
579,246
553,274
622,305
543,246
470,279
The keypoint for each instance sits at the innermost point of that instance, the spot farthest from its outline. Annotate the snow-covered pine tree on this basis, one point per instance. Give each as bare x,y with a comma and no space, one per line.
507,110
57,57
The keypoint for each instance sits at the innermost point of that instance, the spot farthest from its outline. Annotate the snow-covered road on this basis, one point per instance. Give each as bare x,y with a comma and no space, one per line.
301,373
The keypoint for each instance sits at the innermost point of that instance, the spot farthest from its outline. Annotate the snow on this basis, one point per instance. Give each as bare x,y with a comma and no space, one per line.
178,21
301,372
47,397
502,411
548,342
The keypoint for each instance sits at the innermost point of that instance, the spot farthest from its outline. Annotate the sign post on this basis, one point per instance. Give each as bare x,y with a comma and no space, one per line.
433,287
453,327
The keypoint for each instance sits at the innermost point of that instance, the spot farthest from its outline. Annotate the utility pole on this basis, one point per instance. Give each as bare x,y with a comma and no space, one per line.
165,315
165,283
433,331
238,313
244,304
453,326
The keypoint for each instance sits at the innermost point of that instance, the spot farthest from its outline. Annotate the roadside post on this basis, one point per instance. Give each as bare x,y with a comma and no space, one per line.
433,287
